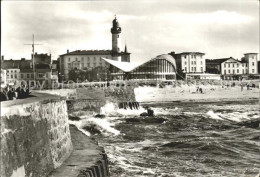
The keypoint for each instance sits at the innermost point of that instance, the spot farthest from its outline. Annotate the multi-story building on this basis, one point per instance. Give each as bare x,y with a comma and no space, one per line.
190,62
3,78
18,71
231,68
251,59
12,70
89,59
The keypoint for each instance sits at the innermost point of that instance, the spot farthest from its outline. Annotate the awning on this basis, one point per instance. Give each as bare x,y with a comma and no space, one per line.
124,66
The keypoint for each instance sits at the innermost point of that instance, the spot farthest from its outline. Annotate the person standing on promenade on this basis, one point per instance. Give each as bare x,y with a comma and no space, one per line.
242,87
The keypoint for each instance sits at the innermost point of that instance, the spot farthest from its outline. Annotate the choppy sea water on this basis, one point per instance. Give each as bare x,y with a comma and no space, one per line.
183,139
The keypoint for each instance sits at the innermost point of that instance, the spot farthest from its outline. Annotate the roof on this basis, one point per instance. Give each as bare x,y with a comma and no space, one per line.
250,53
124,66
127,66
168,58
54,61
42,66
219,60
88,52
42,58
186,53
10,64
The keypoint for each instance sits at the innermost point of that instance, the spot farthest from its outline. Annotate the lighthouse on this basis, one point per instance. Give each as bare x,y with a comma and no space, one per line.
116,30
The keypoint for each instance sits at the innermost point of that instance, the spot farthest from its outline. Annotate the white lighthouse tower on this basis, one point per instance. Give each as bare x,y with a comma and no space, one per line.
116,30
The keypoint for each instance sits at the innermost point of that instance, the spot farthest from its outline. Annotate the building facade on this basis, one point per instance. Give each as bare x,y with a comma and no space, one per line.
251,59
12,70
90,59
190,62
231,68
3,78
18,71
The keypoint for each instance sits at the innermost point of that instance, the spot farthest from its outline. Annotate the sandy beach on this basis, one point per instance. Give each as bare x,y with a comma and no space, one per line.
210,93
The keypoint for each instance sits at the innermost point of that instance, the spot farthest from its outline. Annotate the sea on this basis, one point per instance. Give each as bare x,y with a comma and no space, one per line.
183,139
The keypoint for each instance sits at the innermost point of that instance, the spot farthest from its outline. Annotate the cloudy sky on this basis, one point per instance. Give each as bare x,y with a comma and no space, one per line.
219,28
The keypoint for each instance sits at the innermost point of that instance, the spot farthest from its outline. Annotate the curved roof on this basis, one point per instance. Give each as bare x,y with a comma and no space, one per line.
168,58
128,67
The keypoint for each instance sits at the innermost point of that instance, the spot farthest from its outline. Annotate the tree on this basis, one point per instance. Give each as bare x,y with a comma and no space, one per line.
77,75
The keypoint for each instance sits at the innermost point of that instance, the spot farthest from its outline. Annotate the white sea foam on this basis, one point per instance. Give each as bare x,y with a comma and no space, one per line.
213,115
116,155
78,124
105,125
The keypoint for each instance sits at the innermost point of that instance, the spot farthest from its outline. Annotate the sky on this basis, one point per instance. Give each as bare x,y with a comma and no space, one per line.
218,28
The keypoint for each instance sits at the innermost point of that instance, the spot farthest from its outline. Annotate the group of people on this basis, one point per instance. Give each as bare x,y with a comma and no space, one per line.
11,93
247,86
199,90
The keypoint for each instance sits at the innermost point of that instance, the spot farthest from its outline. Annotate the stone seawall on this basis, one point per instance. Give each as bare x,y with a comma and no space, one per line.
35,136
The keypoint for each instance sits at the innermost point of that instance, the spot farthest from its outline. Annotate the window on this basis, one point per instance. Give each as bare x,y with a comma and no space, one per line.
246,64
100,59
69,65
15,70
253,63
184,56
194,56
201,62
94,58
237,71
185,63
11,71
243,71
185,68
8,71
88,64
21,76
15,76
233,71
88,59
191,68
28,75
82,58
224,65
69,59
229,71
253,70
233,65
32,76
195,69
225,72
11,76
201,69
237,65
194,62
76,59
229,65
41,75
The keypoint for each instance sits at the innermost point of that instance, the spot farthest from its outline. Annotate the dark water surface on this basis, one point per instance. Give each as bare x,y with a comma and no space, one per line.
187,139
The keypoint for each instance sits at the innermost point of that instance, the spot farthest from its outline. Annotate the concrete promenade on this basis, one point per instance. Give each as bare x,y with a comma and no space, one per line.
87,158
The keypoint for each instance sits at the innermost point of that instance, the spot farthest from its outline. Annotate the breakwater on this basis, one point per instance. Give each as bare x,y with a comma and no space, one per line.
35,136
